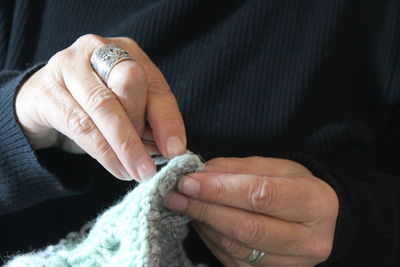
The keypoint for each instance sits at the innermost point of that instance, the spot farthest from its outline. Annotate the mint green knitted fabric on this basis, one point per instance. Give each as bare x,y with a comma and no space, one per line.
137,231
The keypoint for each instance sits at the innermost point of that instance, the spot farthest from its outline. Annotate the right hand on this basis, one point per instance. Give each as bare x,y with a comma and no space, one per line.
66,104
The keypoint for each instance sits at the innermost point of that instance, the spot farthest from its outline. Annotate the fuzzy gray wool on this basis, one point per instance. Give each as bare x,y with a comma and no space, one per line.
137,231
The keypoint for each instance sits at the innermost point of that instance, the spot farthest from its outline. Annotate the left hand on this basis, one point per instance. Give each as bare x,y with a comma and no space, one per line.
272,205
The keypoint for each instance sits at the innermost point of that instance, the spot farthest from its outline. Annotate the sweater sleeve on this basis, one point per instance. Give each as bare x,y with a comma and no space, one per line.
27,177
367,229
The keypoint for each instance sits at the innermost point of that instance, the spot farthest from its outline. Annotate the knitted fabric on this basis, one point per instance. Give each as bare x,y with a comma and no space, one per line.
137,231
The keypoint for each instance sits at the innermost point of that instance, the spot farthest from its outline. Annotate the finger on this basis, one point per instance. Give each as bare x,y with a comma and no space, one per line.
229,246
128,82
211,239
103,107
250,229
216,251
256,165
291,199
162,109
68,118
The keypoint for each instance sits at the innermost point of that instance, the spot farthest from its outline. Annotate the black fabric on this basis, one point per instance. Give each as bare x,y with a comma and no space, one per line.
313,81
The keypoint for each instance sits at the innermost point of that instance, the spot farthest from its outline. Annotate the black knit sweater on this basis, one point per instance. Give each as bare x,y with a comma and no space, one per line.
316,81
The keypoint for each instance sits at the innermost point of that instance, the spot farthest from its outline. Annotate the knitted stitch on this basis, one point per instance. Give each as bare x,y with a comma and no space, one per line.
137,231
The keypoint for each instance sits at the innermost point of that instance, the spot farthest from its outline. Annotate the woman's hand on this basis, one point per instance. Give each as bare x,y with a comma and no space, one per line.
272,205
66,104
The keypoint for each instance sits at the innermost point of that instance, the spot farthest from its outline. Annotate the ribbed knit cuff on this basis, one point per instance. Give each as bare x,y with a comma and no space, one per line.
343,233
24,181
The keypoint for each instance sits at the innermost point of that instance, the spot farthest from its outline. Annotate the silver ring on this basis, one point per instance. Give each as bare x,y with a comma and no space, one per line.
106,57
254,256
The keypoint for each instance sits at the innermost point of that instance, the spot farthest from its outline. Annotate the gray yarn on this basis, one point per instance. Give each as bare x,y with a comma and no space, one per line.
137,231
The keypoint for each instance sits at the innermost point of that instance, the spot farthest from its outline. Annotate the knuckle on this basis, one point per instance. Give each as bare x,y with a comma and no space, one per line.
104,151
229,246
250,232
262,196
130,144
332,201
323,201
135,73
128,77
80,123
158,86
100,98
44,93
129,41
89,38
135,70
170,120
61,57
50,95
202,213
320,251
218,190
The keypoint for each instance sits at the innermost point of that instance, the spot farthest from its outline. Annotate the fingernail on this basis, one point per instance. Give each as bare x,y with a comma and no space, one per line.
125,174
176,202
146,170
175,147
189,186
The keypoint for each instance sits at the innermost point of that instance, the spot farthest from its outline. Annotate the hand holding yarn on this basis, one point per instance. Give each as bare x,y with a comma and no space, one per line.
136,231
274,206
66,104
